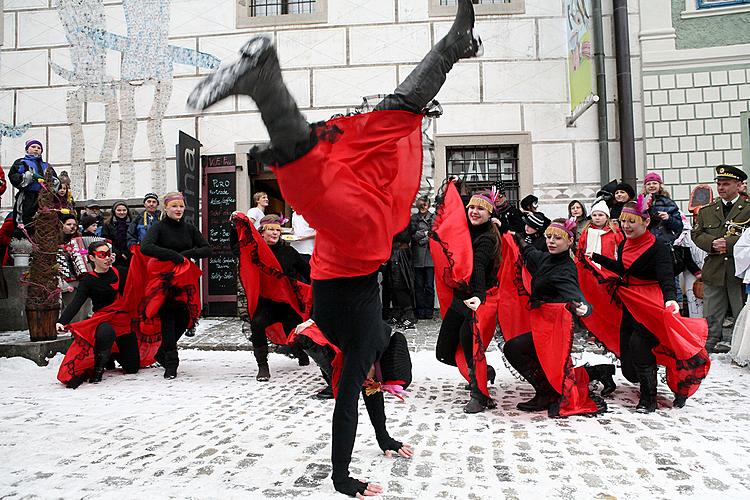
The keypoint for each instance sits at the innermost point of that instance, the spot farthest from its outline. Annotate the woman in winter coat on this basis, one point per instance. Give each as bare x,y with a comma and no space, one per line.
577,211
115,229
666,220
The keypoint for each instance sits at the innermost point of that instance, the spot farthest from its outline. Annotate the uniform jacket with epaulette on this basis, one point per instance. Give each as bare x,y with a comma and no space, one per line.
711,224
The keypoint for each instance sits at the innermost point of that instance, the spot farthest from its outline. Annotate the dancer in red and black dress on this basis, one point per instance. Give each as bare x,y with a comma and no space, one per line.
467,258
542,356
645,314
172,239
372,161
102,287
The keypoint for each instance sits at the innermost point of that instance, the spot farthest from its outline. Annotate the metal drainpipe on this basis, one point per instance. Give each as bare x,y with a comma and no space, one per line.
601,90
624,91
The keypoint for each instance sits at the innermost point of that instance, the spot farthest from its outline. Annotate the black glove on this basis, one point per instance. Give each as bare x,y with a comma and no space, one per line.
350,486
388,443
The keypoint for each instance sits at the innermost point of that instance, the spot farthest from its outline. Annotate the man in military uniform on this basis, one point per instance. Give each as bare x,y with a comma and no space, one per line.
717,229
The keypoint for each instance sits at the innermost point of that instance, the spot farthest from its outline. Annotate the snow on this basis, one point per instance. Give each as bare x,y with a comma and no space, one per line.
215,432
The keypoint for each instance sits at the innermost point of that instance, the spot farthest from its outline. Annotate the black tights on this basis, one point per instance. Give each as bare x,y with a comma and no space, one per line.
267,313
127,345
348,311
174,321
636,343
456,328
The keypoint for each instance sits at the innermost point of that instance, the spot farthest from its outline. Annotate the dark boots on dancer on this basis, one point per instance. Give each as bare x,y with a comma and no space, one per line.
171,362
647,378
479,401
101,357
545,393
424,82
258,74
490,377
261,356
603,374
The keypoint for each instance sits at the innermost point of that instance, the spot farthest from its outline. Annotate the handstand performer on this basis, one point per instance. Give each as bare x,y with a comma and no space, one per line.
372,160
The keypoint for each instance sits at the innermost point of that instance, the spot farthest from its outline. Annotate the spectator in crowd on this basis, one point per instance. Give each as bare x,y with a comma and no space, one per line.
530,203
624,193
115,229
64,195
256,213
424,269
688,265
93,209
511,218
577,211
666,219
740,351
398,286
140,224
89,226
27,175
536,224
304,236
69,259
717,228
3,182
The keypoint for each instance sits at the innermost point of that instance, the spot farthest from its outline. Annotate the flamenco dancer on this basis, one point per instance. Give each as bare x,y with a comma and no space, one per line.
174,240
467,260
542,356
371,160
651,331
277,299
102,286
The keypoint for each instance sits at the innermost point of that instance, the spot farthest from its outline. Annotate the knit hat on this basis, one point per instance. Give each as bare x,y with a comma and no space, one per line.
152,196
31,142
395,363
117,204
87,220
536,220
624,186
653,176
530,203
600,206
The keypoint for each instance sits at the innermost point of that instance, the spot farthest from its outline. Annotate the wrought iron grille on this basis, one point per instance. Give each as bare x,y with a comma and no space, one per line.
482,167
260,8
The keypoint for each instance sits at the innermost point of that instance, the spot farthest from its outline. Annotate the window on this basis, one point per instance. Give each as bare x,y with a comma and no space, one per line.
485,166
707,4
481,7
251,13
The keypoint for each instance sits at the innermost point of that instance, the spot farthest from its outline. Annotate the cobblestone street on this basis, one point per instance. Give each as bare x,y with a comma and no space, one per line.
215,432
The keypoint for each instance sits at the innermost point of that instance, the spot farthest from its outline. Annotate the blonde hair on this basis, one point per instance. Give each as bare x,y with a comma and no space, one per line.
257,196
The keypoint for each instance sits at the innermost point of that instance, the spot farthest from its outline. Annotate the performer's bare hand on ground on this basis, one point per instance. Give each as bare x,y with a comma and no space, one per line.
405,451
473,303
372,490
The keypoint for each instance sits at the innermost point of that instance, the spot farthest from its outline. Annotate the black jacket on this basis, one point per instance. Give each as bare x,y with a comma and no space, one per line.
484,273
102,289
654,264
554,277
172,240
291,262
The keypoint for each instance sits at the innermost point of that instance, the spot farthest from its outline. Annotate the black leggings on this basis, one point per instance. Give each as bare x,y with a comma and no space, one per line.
636,343
267,313
128,356
174,321
348,311
456,328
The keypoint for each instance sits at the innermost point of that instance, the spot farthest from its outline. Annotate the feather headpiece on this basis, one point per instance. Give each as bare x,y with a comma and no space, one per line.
642,205
564,229
485,199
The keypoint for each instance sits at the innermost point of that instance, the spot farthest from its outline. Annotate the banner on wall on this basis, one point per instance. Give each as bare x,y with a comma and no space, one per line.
580,51
188,175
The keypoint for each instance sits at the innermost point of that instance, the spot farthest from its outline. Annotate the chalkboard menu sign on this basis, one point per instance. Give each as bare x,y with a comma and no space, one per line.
220,200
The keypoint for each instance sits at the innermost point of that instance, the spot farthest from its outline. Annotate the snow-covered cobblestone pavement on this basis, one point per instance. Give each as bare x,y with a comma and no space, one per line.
215,432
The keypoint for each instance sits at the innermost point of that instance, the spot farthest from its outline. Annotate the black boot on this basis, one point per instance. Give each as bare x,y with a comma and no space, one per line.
302,358
647,378
478,401
545,393
261,356
425,81
257,74
171,362
679,401
490,377
101,358
603,374
326,393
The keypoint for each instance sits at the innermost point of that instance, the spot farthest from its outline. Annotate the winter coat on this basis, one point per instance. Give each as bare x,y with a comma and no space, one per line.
25,175
139,227
419,227
668,230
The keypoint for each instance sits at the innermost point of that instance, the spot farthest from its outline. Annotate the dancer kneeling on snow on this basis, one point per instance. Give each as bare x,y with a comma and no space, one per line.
650,329
277,299
102,286
542,356
372,161
173,239
466,265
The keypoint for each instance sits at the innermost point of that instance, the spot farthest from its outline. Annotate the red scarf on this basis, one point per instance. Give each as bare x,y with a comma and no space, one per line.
635,247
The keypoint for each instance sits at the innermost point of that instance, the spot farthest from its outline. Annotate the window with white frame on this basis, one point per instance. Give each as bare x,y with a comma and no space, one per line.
251,13
707,4
481,7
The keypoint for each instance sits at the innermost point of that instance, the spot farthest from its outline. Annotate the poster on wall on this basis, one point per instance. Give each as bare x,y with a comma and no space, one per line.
580,51
188,175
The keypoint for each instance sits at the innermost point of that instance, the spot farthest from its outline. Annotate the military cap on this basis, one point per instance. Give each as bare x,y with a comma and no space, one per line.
728,172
